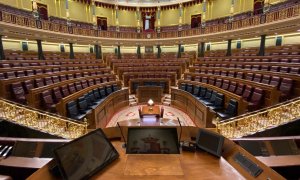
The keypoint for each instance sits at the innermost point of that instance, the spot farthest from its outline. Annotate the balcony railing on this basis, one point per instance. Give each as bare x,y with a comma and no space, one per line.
260,120
269,17
43,121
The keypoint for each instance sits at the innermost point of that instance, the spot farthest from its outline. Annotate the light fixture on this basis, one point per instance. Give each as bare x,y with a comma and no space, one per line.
150,102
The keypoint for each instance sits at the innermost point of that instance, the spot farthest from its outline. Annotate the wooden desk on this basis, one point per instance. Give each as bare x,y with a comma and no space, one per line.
151,110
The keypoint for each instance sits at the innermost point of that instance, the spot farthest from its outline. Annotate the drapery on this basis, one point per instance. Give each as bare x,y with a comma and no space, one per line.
148,21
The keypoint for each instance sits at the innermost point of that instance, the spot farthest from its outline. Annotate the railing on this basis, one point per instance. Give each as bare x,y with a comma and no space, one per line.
260,120
269,17
43,121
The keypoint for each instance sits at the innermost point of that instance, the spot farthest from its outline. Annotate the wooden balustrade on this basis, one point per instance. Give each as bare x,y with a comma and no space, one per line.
135,75
133,83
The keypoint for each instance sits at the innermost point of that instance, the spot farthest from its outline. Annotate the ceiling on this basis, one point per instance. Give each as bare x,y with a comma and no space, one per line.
144,3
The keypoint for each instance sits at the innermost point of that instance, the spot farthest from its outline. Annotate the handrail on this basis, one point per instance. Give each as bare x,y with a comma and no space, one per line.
256,20
260,120
40,120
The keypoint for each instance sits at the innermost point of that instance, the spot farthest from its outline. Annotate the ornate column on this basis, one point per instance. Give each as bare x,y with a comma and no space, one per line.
117,18
262,45
119,52
228,47
71,51
68,13
138,51
203,14
98,51
201,49
158,19
40,50
2,55
231,11
179,51
94,15
180,17
138,19
158,51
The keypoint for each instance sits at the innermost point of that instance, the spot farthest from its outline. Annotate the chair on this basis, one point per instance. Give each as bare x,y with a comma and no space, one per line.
204,80
207,95
39,83
70,76
71,88
29,72
115,87
10,75
102,92
28,84
108,90
219,102
202,92
210,100
285,87
104,79
275,81
231,74
232,86
284,69
294,70
196,91
97,96
48,81
264,68
249,76
189,88
62,77
247,92
182,86
78,86
78,75
219,82
83,106
230,111
240,75
55,79
57,94
84,84
2,76
97,81
18,93
72,111
274,68
257,78
211,81
91,82
225,84
266,79
65,91
48,102
197,78
256,99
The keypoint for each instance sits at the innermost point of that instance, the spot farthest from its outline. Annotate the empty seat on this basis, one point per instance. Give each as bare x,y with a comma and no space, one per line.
217,72
189,88
204,80
55,79
197,78
83,105
207,95
73,112
255,67
18,93
2,76
97,81
247,92
48,80
256,99
196,91
219,83
84,84
266,79
62,77
284,69
223,73
240,75
71,88
20,73
57,95
78,75
48,102
182,86
257,78
211,100
211,81
275,81
225,84
91,82
28,84
102,92
219,102
10,75
39,83
108,90
249,76
231,74
274,68
264,68
70,76
285,88
232,86
231,110
78,86
295,70
38,71
65,91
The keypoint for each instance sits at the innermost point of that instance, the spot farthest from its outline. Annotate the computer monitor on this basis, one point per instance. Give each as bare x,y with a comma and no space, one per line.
83,157
152,141
210,142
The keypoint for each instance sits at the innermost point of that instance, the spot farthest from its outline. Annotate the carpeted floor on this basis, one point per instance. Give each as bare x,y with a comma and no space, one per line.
170,116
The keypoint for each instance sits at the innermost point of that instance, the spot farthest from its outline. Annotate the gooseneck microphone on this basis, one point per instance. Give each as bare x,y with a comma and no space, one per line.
125,143
180,129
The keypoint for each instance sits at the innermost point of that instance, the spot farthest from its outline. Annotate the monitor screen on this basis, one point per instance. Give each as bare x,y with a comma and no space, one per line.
82,157
210,142
152,141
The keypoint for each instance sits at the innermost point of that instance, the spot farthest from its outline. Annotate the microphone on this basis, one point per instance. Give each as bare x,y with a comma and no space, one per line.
125,143
180,129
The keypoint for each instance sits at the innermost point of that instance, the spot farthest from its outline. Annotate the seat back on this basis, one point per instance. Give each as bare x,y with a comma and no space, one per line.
71,88
82,104
84,84
266,79
28,84
257,97
72,110
232,86
47,99
189,88
257,78
219,102
78,86
232,108
225,84
48,80
275,81
286,85
65,90
57,94
249,76
247,92
196,90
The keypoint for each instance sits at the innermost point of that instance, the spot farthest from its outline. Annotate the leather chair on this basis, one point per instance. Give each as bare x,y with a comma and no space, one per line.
256,99
230,111
225,84
219,102
196,91
65,91
48,81
10,74
63,68
211,100
78,86
204,80
212,81
2,76
284,69
57,94
256,67
223,73
285,88
210,72
266,79
104,79
189,88
18,93
217,72
219,83
248,66
232,86
48,71
48,102
247,92
183,86
275,81
240,75
38,71
207,95
83,107
20,73
73,112
91,82
102,92
249,76
70,76
28,84
71,88
97,81
231,74
84,84
197,78
55,79
78,75
274,68
62,77
39,83
257,78
188,77
115,87
294,70
29,72
108,90
86,74
55,70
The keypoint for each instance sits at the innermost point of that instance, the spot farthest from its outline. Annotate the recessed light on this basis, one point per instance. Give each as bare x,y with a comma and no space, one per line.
298,30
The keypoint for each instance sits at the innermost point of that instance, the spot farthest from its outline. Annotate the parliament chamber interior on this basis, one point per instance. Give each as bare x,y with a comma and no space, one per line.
149,89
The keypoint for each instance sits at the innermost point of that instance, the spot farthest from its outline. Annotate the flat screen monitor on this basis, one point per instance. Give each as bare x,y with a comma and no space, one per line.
83,157
210,142
152,141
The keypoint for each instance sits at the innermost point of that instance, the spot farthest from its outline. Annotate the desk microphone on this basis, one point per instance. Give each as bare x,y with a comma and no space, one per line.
180,130
125,143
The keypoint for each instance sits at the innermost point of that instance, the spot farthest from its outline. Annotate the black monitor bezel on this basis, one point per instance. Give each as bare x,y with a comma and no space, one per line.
59,163
175,129
220,145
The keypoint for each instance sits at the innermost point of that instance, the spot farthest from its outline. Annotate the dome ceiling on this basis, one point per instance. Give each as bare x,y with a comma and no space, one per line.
143,3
